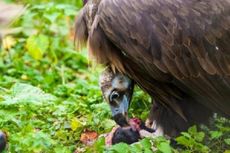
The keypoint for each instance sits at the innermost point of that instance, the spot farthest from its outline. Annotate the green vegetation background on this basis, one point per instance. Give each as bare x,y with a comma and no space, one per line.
49,92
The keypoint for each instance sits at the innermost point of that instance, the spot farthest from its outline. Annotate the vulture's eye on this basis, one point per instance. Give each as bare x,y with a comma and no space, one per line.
114,95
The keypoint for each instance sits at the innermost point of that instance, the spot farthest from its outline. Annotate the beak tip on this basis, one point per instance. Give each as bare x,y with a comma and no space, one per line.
121,119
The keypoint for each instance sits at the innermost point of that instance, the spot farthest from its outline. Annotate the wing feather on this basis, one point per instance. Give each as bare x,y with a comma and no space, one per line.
187,40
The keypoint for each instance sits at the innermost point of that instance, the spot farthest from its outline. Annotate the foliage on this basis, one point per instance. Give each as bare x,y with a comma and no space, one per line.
76,3
192,141
49,92
146,145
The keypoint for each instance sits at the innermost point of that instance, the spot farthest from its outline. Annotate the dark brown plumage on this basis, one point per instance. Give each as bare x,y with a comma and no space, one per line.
177,51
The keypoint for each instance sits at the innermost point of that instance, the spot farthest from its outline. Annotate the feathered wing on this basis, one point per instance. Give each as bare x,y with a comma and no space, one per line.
168,47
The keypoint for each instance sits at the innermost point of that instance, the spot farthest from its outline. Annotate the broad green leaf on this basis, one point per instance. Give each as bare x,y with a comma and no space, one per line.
164,147
108,124
121,148
145,143
27,94
99,144
186,134
136,147
192,130
199,136
37,45
75,124
52,17
227,141
148,150
215,134
183,141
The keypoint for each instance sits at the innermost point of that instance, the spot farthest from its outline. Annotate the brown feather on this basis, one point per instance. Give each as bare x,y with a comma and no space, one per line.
176,51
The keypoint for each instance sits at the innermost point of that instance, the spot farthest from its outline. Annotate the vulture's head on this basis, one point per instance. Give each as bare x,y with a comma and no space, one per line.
117,90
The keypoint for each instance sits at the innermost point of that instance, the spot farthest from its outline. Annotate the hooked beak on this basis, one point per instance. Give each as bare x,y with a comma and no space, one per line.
120,112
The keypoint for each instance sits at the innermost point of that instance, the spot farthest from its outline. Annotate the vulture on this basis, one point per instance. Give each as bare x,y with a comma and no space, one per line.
178,51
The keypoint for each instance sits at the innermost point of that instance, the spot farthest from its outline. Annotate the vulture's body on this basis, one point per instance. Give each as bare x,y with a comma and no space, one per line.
178,51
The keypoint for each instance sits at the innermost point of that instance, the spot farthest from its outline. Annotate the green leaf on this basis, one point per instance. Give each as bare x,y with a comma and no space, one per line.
183,141
164,147
227,141
136,147
148,150
215,134
37,45
121,148
146,143
52,17
27,94
185,134
108,124
75,124
99,144
192,130
199,136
